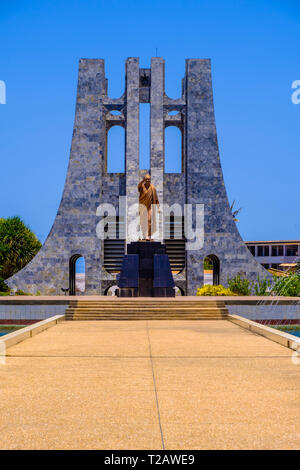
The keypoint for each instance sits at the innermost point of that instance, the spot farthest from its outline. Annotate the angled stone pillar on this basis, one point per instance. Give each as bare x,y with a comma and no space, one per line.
132,142
74,228
157,133
205,185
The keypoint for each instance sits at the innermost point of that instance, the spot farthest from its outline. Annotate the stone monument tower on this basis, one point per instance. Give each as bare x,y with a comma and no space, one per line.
88,184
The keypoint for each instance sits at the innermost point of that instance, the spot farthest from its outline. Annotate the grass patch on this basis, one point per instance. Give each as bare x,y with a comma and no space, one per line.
7,328
287,327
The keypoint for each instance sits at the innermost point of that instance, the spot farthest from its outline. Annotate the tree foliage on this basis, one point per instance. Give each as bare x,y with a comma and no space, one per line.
18,245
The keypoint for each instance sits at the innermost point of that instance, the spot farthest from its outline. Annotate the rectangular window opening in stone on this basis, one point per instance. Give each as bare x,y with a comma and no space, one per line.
144,136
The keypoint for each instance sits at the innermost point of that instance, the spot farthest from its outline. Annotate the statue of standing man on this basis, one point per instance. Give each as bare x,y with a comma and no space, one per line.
148,198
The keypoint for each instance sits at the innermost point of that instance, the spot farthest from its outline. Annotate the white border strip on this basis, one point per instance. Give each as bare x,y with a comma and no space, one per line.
285,339
28,331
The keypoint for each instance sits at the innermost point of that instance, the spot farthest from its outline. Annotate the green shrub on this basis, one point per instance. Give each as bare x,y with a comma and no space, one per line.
240,285
287,286
262,286
21,292
214,290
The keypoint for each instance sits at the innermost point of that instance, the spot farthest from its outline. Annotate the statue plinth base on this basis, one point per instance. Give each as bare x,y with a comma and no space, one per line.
146,271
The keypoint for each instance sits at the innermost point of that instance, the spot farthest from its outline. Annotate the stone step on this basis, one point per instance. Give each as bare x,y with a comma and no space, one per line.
148,299
147,306
156,314
181,315
150,318
136,300
150,305
148,311
141,306
153,315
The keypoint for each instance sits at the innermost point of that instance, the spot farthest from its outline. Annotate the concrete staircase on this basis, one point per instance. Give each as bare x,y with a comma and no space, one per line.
146,309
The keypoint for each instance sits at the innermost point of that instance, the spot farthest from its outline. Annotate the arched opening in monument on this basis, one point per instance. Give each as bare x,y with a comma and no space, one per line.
115,150
111,291
76,275
115,112
179,291
211,268
173,150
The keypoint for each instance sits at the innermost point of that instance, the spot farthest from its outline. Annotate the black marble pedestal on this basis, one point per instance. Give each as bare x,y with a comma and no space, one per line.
146,271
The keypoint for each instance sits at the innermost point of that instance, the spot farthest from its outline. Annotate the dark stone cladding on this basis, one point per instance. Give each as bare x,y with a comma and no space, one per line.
205,184
88,184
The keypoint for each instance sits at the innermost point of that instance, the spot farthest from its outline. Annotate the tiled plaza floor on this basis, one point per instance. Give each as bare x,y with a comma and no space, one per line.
149,385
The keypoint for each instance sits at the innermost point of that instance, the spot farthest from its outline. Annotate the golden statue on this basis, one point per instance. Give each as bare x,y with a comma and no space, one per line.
148,197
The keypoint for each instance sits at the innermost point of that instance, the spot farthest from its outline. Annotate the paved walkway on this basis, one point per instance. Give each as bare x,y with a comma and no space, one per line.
149,385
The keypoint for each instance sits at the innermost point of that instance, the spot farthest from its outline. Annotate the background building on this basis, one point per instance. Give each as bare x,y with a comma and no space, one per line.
276,254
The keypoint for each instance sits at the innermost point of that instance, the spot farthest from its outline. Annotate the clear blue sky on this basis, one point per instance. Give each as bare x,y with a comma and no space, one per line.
254,46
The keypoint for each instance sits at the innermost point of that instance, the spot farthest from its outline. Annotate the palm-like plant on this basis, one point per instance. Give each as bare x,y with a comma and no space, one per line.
235,212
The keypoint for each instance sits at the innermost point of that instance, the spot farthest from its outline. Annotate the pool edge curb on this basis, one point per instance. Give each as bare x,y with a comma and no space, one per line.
16,337
285,339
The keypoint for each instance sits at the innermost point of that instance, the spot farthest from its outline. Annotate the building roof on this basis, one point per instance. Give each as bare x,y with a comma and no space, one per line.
274,242
288,264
